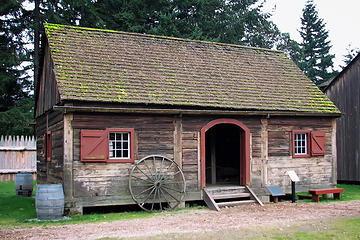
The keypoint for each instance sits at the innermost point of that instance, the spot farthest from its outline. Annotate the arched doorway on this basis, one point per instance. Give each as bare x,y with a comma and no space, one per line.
225,153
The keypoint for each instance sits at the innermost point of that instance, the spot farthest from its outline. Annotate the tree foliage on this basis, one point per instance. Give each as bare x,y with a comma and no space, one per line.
229,21
18,119
15,84
350,55
316,60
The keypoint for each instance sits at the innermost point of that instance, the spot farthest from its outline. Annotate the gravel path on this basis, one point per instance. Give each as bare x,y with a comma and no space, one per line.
281,214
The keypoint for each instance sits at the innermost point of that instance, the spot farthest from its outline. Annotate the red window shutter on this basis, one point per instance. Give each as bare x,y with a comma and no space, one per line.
48,145
44,146
94,146
317,143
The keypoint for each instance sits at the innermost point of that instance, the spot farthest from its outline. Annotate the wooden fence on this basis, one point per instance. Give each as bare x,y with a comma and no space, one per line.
17,155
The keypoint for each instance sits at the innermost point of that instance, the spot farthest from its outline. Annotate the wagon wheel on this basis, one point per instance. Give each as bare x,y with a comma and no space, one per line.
157,183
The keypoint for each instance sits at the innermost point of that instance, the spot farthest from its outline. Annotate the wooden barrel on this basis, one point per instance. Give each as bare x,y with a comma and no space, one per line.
49,201
24,184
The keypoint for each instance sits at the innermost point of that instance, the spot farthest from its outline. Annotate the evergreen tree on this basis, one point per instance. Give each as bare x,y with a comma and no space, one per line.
231,21
15,83
70,12
290,47
350,55
234,21
316,60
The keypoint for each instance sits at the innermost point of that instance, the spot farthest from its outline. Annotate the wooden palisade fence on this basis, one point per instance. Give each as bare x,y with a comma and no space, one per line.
17,155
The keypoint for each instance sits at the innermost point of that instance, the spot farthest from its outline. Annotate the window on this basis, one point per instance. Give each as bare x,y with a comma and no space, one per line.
119,145
306,143
110,145
300,144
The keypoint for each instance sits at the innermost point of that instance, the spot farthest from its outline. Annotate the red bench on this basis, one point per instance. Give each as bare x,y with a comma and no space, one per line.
317,192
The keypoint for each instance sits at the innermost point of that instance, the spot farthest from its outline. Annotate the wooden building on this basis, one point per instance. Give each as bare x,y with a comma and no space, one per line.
228,115
344,91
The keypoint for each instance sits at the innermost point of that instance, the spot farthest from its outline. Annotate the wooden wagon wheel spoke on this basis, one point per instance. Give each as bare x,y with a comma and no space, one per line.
144,174
170,181
160,201
162,163
169,188
163,187
175,173
176,199
149,170
164,195
169,167
153,202
144,180
144,191
148,196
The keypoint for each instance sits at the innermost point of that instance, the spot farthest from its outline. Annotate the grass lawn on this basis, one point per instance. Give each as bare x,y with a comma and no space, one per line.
16,211
351,192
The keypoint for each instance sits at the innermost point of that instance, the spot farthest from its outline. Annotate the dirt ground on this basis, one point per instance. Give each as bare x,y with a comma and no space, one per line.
284,214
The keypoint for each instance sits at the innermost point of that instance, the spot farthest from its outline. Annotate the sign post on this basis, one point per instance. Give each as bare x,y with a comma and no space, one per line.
294,178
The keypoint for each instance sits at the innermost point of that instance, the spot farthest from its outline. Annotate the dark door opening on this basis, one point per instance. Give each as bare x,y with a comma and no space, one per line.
223,154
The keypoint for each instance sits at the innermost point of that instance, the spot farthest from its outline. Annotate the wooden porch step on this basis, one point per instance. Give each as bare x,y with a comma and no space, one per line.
230,196
234,203
226,190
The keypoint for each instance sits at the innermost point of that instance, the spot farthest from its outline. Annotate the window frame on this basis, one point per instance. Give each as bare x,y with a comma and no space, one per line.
308,146
131,132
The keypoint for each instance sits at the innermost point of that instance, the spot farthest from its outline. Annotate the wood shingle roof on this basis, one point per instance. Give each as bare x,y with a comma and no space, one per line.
118,67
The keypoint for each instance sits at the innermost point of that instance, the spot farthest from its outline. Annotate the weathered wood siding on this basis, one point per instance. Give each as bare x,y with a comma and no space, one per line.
107,183
50,172
191,126
172,136
345,93
179,138
313,171
48,94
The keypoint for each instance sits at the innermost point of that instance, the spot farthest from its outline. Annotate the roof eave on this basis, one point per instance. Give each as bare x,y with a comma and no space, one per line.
71,109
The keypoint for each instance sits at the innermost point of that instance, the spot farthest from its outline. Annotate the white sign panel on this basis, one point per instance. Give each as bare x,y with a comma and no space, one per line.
293,176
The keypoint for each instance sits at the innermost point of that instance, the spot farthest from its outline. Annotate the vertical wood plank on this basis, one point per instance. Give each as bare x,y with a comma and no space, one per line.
334,152
264,151
344,92
68,158
199,161
177,141
17,155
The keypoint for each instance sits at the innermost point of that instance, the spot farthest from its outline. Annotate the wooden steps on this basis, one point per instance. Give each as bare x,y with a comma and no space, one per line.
235,203
233,195
217,197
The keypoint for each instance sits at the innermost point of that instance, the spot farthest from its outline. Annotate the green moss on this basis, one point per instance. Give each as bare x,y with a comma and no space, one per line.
122,93
50,27
113,84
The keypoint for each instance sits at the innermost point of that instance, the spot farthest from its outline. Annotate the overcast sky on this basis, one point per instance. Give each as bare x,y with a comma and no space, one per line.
341,17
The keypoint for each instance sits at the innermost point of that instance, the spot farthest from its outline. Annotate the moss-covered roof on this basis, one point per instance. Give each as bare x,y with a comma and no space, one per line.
112,66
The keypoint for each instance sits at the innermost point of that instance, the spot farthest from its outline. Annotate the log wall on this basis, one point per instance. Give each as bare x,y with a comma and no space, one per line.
50,172
107,183
313,171
178,137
